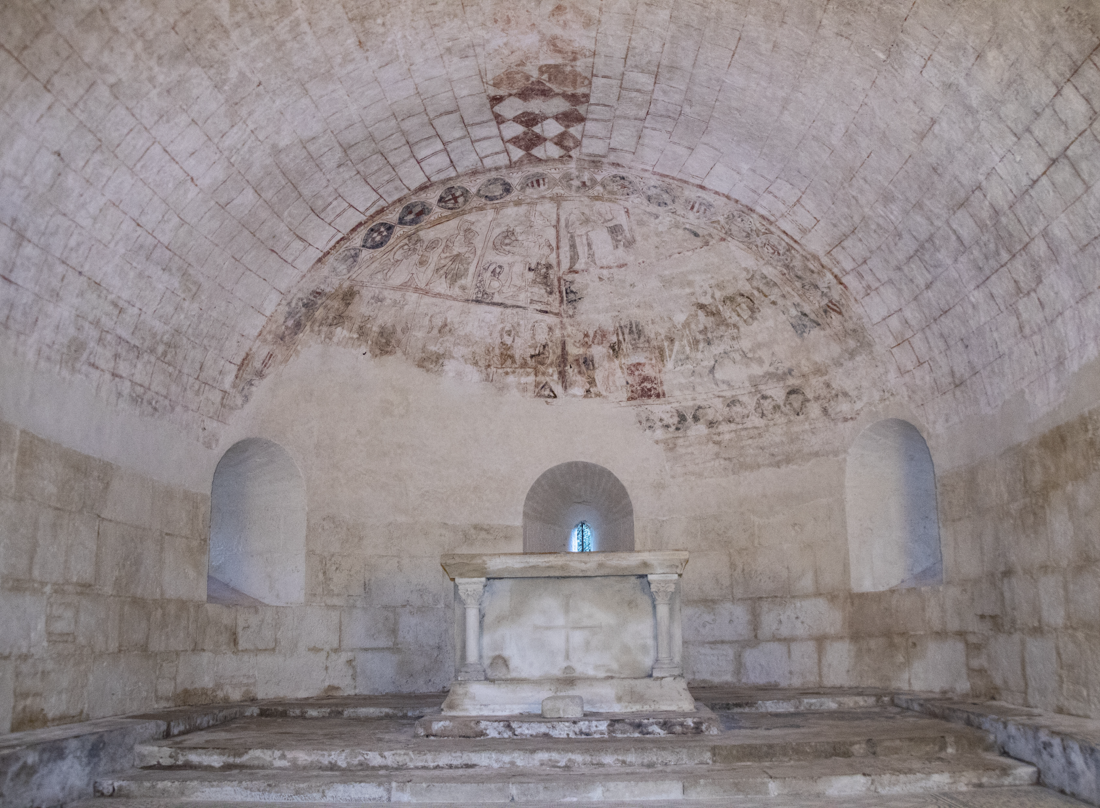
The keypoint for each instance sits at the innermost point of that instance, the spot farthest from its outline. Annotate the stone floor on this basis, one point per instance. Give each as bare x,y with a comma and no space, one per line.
805,750
1031,797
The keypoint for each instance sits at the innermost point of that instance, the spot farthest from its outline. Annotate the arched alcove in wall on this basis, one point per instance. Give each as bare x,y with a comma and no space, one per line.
257,526
575,492
890,501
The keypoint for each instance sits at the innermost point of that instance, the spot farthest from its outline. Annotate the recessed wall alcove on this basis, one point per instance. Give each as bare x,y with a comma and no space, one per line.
570,493
257,526
890,501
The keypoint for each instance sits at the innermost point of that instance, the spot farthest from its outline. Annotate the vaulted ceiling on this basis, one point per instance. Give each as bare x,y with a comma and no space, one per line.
174,177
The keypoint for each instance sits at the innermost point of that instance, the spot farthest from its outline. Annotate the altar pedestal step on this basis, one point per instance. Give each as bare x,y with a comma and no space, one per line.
870,755
342,744
851,776
593,725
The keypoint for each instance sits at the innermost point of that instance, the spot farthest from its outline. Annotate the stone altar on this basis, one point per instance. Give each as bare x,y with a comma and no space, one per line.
602,626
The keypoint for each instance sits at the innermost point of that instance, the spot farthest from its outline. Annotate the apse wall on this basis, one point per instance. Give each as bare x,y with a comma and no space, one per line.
104,567
408,466
1020,510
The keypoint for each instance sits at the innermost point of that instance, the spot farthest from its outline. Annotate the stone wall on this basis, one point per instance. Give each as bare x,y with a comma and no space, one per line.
1025,568
1017,619
408,466
103,584
103,596
769,599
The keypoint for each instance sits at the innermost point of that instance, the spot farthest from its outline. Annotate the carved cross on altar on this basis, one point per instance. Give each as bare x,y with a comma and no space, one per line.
567,625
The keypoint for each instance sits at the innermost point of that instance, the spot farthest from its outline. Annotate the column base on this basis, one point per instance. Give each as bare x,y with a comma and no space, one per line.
664,671
471,672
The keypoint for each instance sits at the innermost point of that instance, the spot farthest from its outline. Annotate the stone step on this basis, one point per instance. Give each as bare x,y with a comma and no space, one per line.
702,721
835,777
772,700
592,754
993,797
335,744
358,707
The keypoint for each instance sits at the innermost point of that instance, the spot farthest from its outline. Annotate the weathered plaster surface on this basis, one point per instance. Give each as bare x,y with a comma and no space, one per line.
169,187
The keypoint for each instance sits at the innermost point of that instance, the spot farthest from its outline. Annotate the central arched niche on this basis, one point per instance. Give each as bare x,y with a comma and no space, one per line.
574,492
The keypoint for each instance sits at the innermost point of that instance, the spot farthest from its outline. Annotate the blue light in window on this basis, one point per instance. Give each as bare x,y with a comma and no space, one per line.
582,539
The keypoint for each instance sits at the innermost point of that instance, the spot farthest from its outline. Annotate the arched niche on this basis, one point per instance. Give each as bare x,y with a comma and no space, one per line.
257,526
890,501
570,493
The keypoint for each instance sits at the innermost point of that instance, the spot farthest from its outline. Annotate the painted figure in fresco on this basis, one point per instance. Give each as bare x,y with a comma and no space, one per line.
407,263
458,255
491,278
527,238
594,234
540,339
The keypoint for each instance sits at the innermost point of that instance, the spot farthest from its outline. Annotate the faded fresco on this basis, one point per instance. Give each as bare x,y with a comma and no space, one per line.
521,280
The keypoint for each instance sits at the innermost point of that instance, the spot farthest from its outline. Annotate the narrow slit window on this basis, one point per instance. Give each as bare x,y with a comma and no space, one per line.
582,538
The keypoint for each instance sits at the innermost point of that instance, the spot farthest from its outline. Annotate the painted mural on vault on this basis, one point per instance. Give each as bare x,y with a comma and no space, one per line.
521,279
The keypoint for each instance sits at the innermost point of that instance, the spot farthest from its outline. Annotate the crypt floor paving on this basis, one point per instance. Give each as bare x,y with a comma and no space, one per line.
1028,797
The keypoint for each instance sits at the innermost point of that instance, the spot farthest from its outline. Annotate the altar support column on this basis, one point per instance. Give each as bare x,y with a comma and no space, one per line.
470,590
663,587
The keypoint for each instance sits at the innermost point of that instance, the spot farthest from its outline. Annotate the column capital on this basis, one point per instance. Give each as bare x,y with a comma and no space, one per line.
663,586
470,590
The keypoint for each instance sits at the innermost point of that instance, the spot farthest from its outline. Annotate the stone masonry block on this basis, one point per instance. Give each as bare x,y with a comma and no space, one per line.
184,568
7,684
50,690
23,629
425,626
1083,597
563,707
938,664
377,671
404,581
132,499
128,561
121,683
61,620
768,663
1041,672
880,662
1052,600
1006,663
215,627
60,534
9,440
707,577
54,475
307,628
836,663
170,628
133,631
256,628
367,628
762,572
805,664
710,662
18,537
799,618
717,621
